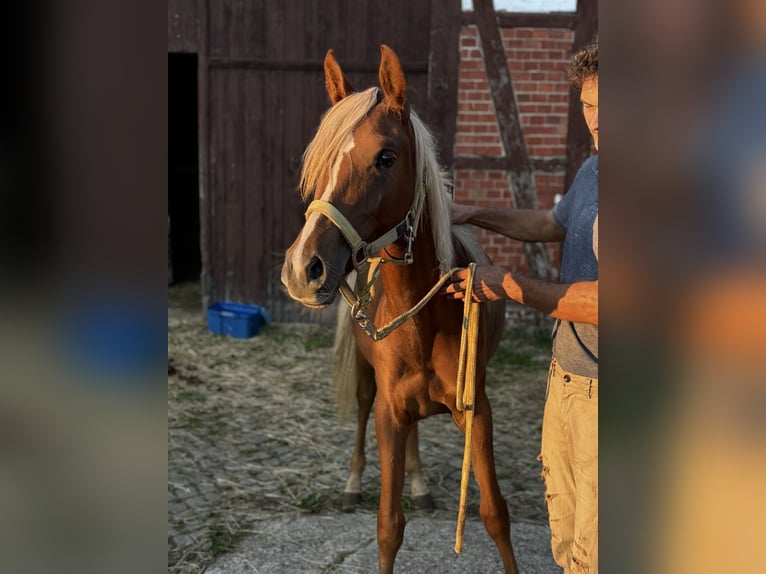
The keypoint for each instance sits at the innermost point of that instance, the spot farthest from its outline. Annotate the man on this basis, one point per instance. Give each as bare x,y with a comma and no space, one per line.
569,450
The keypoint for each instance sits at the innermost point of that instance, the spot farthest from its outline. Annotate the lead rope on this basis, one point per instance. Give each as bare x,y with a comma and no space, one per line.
376,334
465,393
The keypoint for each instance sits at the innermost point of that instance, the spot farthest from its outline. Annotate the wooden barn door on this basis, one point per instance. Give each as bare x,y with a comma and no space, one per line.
261,96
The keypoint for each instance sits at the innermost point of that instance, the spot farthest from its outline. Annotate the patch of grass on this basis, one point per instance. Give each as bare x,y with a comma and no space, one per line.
521,360
192,422
220,361
274,333
318,341
511,358
312,503
370,500
190,396
301,387
520,335
221,539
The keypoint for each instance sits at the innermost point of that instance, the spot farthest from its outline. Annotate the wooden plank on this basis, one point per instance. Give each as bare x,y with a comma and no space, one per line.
579,141
274,160
359,44
444,64
203,136
315,42
526,20
509,126
370,67
501,89
416,42
219,21
182,26
217,184
375,15
293,119
237,33
254,200
255,30
232,223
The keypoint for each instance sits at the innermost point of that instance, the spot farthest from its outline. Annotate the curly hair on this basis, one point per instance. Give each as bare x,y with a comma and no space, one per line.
584,64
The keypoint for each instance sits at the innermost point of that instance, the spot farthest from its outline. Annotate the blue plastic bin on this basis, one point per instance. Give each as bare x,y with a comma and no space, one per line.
235,319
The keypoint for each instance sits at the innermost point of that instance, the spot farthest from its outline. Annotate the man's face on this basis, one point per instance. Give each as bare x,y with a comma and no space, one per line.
589,99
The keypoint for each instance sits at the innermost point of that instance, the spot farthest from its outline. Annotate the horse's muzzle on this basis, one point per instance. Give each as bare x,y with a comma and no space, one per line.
308,282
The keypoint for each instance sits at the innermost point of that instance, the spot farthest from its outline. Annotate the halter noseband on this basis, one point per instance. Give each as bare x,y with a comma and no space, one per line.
363,257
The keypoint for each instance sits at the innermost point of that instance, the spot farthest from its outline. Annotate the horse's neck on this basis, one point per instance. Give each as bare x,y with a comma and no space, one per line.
405,285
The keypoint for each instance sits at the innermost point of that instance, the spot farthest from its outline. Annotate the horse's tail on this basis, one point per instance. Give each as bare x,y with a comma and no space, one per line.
492,314
347,365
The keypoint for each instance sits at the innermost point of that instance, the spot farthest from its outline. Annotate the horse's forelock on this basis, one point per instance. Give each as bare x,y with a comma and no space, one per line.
332,135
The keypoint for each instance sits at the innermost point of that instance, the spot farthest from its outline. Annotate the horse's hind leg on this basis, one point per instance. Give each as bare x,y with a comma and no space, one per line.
420,494
365,396
492,508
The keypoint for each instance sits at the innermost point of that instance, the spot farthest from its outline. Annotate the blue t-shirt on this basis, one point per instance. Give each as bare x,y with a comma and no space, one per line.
575,345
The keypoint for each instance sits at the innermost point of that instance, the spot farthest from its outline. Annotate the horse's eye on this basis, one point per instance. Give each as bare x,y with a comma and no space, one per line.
385,159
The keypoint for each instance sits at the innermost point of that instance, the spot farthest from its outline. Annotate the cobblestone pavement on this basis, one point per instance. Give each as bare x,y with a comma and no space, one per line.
253,434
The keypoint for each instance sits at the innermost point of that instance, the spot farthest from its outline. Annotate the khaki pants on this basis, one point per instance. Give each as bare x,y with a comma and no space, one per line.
570,468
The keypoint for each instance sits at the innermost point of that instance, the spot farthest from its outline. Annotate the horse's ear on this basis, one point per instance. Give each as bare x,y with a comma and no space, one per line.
338,86
392,80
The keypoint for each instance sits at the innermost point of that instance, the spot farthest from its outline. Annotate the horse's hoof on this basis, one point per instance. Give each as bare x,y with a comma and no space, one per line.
423,502
350,501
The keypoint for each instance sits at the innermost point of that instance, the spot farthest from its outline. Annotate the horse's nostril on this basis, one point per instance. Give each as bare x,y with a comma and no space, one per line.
315,269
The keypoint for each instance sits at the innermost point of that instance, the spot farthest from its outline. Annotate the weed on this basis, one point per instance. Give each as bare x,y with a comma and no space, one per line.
221,539
318,341
192,422
312,503
190,396
301,387
505,357
370,500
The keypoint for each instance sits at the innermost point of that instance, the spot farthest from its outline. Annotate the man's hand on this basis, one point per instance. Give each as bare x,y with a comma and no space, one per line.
488,284
576,302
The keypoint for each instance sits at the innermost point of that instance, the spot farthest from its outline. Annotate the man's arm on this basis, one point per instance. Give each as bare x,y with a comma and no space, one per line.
519,224
576,302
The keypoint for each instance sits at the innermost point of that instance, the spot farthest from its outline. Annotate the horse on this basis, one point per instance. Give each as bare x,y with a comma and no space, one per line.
381,209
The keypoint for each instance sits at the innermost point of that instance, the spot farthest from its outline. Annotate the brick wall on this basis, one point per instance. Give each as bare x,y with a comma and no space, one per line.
538,59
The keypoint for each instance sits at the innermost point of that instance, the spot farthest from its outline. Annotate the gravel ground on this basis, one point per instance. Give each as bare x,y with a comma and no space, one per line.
253,433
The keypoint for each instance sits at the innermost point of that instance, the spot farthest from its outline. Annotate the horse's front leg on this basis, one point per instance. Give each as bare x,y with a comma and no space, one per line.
391,437
365,396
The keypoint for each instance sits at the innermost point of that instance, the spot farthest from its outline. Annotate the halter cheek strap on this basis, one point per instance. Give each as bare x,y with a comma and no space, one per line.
360,249
363,257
